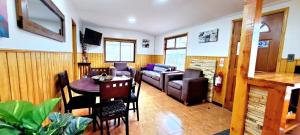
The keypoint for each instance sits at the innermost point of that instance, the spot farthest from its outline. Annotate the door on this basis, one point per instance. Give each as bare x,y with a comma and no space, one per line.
268,50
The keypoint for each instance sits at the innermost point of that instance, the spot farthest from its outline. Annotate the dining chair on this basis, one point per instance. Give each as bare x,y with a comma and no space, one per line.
109,109
134,97
75,102
99,71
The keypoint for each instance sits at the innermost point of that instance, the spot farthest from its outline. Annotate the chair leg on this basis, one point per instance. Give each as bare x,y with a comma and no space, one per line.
137,111
101,127
127,124
94,122
133,106
119,121
89,111
107,128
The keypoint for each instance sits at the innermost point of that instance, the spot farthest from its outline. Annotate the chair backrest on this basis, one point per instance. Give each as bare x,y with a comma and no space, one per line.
115,89
63,81
138,80
99,71
297,69
192,73
121,66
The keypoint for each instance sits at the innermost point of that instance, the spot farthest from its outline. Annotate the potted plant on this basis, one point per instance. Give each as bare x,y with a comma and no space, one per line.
20,117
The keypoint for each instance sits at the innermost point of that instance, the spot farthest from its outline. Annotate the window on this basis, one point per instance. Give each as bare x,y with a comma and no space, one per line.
119,50
175,51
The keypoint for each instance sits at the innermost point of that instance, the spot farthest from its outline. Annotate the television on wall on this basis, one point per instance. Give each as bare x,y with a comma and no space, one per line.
92,37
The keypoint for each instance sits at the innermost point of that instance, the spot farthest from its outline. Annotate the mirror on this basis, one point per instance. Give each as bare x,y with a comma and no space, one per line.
41,17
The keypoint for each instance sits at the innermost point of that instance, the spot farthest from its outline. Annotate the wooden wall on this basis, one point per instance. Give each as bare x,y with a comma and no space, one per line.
97,60
287,67
31,75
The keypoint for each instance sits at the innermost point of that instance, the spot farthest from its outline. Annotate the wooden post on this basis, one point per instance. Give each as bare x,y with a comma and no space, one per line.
246,63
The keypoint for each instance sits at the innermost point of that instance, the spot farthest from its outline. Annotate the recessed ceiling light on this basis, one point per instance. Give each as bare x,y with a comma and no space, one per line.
131,20
161,1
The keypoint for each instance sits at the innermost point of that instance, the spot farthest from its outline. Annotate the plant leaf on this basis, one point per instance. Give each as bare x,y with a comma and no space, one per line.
59,121
13,111
33,119
77,126
6,129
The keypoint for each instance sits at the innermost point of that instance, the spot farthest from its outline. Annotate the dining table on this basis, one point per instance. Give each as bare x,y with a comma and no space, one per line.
88,86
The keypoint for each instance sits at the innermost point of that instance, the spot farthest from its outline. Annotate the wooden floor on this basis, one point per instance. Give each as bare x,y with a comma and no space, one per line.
162,115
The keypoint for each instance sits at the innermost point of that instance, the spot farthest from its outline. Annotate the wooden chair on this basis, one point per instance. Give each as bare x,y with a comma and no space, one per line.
76,102
99,71
134,97
107,110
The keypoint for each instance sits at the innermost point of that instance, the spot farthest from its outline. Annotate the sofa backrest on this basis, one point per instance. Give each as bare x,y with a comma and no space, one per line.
121,66
163,68
192,73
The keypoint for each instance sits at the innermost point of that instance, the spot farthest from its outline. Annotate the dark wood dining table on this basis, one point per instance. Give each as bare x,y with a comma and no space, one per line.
87,86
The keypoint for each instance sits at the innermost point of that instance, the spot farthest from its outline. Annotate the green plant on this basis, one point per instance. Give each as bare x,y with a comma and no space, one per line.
20,117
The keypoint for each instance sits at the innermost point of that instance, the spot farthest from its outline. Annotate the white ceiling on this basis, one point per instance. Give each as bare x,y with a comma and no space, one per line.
154,16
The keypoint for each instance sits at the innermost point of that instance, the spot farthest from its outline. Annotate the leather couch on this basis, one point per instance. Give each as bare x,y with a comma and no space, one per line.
121,69
190,86
156,76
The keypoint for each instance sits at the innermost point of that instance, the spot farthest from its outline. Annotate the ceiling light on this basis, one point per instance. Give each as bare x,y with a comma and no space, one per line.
161,1
131,20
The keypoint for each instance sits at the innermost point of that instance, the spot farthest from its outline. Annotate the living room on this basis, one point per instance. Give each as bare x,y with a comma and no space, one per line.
192,64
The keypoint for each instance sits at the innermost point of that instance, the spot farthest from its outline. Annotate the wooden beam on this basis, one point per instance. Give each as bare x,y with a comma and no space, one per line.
246,63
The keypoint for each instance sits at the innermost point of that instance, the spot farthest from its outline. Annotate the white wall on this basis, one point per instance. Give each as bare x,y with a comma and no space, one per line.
23,40
126,34
221,48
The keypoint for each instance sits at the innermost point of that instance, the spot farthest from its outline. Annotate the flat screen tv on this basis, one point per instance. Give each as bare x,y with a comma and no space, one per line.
92,37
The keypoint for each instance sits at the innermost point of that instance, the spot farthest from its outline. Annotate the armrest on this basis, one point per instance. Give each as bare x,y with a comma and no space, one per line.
132,71
193,88
169,77
143,68
112,71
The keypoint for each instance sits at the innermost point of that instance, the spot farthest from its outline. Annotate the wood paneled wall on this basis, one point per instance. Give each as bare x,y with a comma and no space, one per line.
32,75
287,67
97,60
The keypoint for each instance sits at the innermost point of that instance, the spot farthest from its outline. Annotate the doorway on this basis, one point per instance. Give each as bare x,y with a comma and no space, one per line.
270,46
74,50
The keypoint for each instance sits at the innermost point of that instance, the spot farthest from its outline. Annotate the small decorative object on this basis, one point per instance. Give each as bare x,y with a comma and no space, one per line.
146,43
291,57
3,19
209,36
102,78
264,44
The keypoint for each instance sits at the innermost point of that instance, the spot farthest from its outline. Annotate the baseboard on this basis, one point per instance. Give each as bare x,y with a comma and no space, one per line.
216,103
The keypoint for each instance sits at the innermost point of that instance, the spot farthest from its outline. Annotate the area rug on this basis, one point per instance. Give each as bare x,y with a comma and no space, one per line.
225,132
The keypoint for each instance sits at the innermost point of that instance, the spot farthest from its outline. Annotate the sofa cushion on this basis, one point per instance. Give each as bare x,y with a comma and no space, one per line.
150,67
160,69
192,73
176,84
121,66
152,74
121,73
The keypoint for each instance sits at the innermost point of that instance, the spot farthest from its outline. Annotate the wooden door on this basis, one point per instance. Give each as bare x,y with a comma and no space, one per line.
268,50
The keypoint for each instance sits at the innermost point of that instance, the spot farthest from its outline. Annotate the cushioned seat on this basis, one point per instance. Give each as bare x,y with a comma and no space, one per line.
176,84
152,74
121,73
116,107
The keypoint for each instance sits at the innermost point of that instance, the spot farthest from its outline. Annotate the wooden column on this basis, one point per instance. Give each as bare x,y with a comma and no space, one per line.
246,63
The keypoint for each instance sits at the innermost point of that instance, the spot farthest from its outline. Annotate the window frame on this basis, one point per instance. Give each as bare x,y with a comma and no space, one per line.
175,46
120,40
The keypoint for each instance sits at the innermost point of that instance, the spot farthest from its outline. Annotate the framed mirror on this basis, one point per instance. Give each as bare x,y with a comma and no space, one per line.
41,17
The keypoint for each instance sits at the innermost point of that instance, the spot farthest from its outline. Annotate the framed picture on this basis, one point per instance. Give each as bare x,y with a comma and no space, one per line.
209,36
3,19
146,43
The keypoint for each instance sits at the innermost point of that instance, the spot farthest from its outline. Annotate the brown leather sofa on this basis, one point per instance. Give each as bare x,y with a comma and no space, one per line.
156,76
190,86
